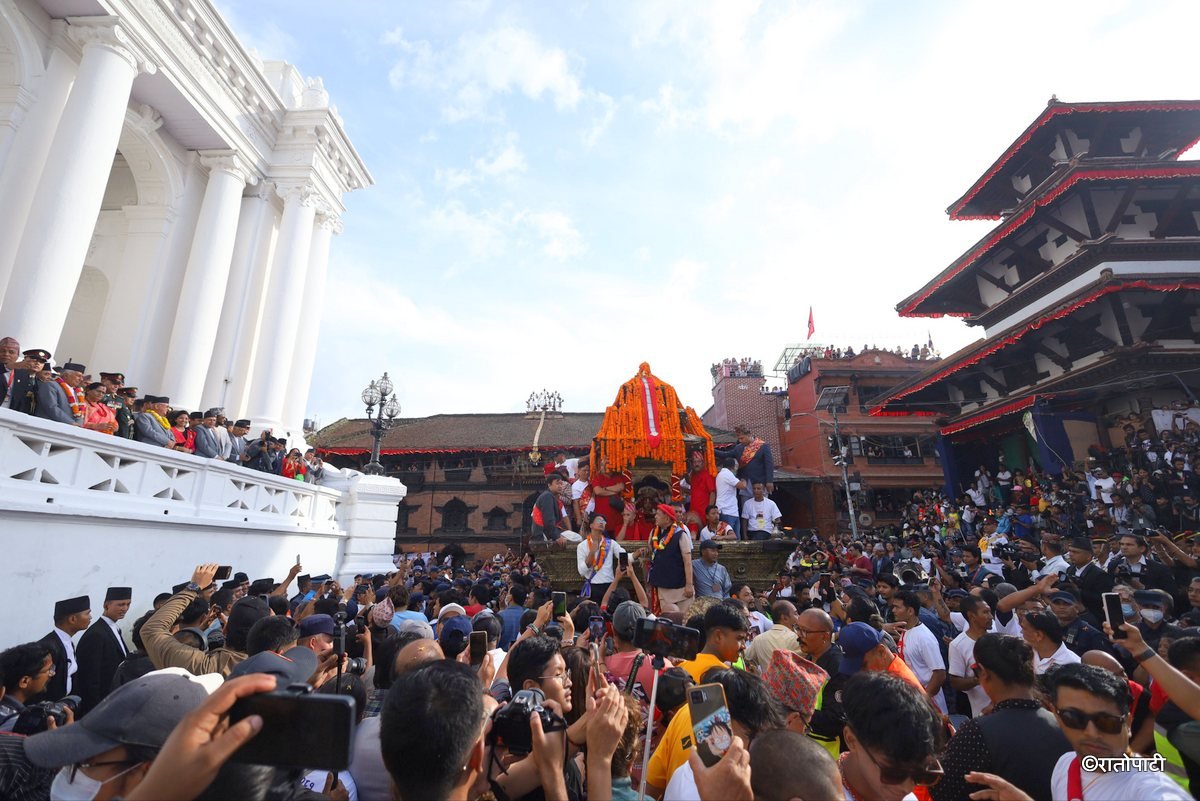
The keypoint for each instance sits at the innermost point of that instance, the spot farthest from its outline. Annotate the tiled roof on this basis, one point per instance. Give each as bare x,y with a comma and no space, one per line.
471,432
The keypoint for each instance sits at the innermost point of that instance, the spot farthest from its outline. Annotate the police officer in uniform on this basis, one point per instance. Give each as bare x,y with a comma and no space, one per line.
112,384
1078,635
125,412
23,392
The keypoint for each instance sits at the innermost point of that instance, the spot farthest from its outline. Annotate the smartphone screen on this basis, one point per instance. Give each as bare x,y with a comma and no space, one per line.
624,560
223,573
560,603
596,627
478,647
299,731
685,643
712,730
1113,614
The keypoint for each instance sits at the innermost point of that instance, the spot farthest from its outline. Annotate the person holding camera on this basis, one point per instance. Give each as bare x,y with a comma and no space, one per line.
24,670
1134,568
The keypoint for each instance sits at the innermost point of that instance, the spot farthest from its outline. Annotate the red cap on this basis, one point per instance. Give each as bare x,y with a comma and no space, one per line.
667,510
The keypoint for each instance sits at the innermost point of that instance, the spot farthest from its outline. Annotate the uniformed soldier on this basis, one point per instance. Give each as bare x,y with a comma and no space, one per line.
20,394
125,412
112,383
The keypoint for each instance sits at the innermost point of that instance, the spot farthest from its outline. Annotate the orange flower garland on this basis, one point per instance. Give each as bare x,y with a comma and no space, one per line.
621,440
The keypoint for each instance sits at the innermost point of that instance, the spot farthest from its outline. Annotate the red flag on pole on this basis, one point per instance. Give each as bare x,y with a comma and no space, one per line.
811,325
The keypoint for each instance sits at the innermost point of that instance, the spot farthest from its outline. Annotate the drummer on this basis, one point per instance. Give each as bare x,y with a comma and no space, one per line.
596,557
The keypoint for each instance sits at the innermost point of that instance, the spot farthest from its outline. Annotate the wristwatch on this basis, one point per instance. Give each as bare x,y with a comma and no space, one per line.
1144,655
192,586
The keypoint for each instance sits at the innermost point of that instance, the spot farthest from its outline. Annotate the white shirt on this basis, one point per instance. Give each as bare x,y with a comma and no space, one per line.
1105,485
727,503
760,515
1063,656
497,654
923,657
1115,786
112,624
682,786
760,621
72,662
604,575
1058,564
315,781
962,656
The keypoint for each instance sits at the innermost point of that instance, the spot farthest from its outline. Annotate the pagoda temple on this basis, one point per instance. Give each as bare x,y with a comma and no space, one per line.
1087,290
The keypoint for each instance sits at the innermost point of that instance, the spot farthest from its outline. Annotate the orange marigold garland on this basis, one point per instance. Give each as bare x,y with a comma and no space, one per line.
622,438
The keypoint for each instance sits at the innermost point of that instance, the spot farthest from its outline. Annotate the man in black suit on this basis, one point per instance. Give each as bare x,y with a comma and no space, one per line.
71,616
1135,568
1091,580
101,649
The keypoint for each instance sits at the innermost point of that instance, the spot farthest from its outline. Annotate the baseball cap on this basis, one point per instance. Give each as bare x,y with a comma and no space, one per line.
419,626
956,593
454,631
1062,596
625,619
316,624
712,545
141,713
451,608
856,640
293,666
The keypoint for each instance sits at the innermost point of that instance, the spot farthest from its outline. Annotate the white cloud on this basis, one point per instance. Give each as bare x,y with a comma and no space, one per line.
480,66
481,235
559,238
607,110
502,160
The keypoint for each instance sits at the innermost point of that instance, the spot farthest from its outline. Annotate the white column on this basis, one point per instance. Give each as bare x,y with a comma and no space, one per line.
277,335
71,188
205,277
22,167
309,319
229,369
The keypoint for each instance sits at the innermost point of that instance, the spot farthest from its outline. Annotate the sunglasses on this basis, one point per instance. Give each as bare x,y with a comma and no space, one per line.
926,776
1106,722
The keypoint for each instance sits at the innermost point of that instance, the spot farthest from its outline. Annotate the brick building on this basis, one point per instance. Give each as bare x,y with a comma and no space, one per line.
741,396
887,457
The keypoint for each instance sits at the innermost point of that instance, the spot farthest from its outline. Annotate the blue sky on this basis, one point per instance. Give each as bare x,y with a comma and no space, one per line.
564,190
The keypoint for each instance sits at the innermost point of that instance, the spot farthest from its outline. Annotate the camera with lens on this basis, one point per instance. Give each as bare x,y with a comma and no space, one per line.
36,717
1122,573
1005,551
356,665
510,723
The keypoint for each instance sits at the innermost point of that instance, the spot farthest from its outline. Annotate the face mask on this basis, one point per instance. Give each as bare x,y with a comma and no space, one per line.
83,788
1152,615
1127,610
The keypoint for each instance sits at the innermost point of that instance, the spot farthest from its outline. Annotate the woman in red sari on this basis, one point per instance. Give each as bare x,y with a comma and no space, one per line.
185,437
97,415
293,465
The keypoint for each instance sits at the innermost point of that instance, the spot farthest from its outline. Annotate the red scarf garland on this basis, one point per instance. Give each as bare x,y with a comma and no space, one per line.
750,451
73,397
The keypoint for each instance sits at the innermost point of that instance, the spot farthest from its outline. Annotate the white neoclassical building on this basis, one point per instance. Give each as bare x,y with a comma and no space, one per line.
168,202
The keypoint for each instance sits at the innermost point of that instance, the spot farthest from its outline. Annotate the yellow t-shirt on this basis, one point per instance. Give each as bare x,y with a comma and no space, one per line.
703,663
672,749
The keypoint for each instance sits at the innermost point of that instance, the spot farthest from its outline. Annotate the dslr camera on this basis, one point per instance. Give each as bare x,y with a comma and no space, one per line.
1007,551
510,723
35,718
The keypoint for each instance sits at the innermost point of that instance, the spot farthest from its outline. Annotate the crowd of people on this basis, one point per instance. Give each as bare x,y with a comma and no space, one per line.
855,676
30,383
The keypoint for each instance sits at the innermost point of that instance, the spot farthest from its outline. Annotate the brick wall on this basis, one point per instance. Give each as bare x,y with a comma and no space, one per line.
738,401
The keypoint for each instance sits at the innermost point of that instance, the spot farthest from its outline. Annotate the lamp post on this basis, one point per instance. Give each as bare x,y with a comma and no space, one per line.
833,399
379,393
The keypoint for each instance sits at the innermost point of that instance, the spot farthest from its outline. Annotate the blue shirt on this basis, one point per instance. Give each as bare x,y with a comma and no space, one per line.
510,619
704,577
400,617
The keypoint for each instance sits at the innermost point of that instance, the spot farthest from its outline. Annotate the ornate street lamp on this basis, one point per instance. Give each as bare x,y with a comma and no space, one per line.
379,393
539,405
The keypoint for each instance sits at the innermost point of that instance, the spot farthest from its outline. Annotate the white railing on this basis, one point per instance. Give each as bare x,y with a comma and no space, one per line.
48,467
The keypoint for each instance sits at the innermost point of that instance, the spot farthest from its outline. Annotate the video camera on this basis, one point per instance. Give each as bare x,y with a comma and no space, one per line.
35,718
510,723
